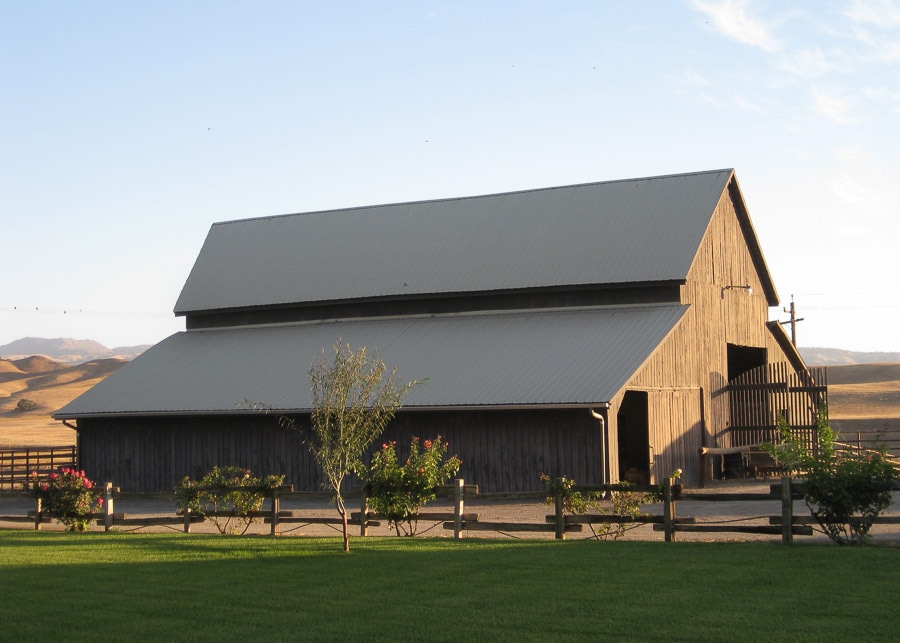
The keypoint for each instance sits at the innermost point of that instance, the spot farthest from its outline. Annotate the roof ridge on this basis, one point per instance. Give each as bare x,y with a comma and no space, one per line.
476,196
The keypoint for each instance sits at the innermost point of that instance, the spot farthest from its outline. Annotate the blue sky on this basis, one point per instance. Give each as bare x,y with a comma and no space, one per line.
127,129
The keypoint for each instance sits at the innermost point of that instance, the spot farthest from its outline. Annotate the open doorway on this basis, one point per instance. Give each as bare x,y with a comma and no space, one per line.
634,438
744,358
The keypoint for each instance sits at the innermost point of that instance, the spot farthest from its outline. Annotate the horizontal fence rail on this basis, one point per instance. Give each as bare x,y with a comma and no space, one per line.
17,465
460,522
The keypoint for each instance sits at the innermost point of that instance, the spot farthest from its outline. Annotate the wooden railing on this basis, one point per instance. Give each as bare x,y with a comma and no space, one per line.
16,465
560,523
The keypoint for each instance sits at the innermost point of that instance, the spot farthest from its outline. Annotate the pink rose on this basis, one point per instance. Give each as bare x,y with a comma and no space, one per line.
100,501
53,475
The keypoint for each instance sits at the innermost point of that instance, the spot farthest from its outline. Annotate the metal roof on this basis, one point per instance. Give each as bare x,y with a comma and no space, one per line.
566,357
637,230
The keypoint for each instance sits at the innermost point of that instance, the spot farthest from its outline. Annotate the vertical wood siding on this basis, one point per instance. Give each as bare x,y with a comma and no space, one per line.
695,355
501,450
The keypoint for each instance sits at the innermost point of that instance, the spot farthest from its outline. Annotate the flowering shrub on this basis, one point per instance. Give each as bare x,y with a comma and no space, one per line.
228,495
623,504
68,496
844,492
397,491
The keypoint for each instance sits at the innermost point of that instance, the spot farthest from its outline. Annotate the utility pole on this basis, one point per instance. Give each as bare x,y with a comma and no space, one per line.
793,321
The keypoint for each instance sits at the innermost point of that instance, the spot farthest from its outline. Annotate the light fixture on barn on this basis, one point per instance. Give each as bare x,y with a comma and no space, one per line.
748,288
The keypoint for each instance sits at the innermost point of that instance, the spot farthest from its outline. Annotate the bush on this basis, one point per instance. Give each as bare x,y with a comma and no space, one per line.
622,502
844,492
397,491
228,495
25,404
68,496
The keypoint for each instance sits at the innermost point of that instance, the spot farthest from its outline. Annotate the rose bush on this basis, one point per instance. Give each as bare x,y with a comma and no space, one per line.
68,496
228,495
398,491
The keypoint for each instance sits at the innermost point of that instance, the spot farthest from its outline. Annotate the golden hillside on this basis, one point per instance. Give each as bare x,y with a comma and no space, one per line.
49,385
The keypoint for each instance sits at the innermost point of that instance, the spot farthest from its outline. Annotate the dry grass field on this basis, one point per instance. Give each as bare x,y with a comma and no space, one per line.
864,404
864,400
50,385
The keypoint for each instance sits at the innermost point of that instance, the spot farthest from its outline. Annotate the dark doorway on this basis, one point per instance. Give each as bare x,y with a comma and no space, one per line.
634,438
744,358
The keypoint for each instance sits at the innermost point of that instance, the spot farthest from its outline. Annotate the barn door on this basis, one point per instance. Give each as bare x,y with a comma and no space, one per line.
634,438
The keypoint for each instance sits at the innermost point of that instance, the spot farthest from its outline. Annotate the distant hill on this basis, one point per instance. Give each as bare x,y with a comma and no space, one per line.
836,356
67,351
45,385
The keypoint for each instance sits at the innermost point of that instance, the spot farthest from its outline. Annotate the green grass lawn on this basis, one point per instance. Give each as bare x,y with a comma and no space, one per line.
196,587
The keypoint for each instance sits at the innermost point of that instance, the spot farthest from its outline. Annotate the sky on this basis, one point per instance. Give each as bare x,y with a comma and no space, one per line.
128,128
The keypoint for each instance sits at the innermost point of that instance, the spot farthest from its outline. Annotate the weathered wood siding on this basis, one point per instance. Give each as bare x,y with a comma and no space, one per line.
509,450
695,355
154,454
500,450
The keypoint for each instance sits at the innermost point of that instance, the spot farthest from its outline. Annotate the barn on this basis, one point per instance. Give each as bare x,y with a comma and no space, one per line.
593,331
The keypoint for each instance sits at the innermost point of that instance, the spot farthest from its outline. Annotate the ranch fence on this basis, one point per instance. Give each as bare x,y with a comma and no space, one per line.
17,465
560,523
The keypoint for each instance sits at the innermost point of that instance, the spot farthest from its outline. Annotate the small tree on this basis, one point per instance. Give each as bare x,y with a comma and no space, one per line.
844,492
353,399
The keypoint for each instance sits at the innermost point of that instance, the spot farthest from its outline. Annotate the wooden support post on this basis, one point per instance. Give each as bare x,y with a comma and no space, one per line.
669,510
704,469
787,510
37,515
187,520
108,506
363,513
276,507
560,515
458,505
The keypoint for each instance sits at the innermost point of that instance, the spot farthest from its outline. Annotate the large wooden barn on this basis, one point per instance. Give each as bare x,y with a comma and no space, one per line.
589,331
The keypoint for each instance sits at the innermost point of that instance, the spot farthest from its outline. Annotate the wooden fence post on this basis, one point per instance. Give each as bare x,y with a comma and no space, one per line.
363,513
787,510
704,469
458,504
558,506
38,518
108,506
276,507
668,510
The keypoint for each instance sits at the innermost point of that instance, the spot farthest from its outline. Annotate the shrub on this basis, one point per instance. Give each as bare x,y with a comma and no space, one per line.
68,496
398,491
24,404
228,495
622,503
844,491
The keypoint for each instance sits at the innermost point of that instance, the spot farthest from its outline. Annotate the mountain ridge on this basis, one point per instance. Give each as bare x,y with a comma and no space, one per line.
819,356
77,351
67,350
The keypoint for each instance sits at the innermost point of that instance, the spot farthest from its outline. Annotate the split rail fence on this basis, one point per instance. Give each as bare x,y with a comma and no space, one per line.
560,523
17,465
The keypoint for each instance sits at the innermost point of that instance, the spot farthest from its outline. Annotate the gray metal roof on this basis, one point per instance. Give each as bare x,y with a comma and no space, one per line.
531,358
637,230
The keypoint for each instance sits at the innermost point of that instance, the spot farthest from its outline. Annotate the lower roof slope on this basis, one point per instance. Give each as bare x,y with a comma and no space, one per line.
571,357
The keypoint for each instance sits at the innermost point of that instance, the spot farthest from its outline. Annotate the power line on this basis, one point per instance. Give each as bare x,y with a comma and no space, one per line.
71,311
